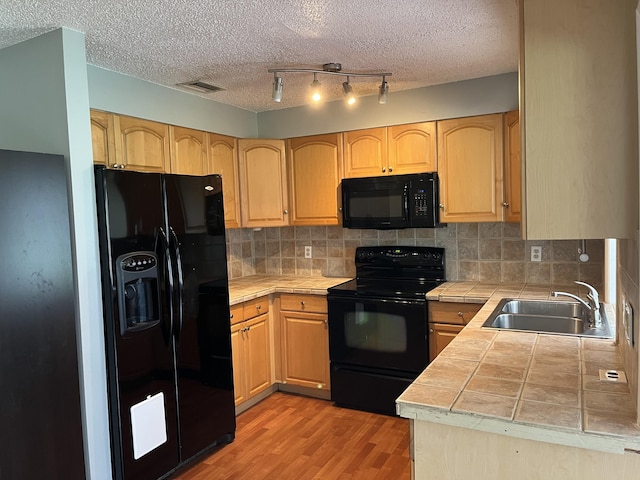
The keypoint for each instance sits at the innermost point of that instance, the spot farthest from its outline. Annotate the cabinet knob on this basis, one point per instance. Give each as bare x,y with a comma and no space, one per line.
431,330
302,305
441,206
258,307
231,316
505,204
384,169
286,212
460,314
390,169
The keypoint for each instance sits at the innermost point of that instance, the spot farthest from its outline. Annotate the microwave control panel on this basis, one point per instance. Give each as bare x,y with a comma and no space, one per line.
421,203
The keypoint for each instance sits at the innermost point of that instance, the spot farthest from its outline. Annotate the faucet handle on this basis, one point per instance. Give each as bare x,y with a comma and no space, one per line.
593,293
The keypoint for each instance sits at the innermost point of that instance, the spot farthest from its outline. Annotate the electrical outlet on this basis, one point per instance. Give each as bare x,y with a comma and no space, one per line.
536,254
307,251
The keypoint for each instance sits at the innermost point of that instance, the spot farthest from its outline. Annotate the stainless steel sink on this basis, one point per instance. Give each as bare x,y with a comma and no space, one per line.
556,309
563,318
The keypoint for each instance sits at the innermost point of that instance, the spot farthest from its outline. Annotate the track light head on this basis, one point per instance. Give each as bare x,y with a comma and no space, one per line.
348,92
382,92
316,95
277,88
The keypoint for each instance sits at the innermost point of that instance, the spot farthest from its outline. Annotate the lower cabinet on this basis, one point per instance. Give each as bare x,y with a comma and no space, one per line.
446,320
305,340
251,352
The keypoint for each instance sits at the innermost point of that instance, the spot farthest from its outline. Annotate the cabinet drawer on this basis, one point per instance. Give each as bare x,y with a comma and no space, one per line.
236,313
256,307
453,313
304,303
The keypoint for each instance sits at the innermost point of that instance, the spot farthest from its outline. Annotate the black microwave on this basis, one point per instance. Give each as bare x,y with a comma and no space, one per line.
392,202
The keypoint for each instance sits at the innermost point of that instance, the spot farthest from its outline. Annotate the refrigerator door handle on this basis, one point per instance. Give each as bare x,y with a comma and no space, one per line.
169,281
179,273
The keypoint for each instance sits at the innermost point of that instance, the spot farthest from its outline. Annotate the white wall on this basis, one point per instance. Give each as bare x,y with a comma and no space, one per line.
118,93
45,108
479,96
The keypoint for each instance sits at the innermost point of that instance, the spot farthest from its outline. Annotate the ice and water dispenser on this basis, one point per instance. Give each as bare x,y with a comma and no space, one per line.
138,291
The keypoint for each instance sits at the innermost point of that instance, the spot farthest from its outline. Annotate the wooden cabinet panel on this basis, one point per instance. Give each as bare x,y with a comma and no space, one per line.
315,169
258,357
253,308
446,320
188,151
102,137
470,166
251,356
238,359
263,183
512,167
304,303
223,160
441,335
412,148
141,145
452,312
579,114
305,340
365,153
236,312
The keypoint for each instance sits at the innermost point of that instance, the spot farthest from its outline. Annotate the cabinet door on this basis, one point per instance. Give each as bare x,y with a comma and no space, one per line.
263,183
306,349
223,160
258,356
315,168
188,151
141,145
440,335
102,137
365,153
239,364
512,168
412,148
470,169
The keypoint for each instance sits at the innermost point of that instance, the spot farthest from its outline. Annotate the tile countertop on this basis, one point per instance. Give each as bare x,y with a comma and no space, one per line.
254,286
534,386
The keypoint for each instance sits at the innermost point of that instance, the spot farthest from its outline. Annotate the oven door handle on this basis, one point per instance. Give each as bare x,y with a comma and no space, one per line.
356,299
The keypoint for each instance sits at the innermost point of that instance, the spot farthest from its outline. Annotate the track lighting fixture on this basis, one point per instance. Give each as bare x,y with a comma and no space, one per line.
382,92
348,92
316,96
329,69
277,88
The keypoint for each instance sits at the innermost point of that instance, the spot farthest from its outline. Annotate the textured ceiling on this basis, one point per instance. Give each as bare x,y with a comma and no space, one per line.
232,43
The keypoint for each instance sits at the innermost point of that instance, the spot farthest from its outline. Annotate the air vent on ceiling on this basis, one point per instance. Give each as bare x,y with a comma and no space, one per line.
200,87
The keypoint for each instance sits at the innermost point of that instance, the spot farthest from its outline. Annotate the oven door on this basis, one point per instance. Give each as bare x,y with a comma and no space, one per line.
388,334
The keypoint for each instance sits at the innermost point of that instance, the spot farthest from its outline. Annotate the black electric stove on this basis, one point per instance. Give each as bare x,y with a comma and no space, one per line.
378,325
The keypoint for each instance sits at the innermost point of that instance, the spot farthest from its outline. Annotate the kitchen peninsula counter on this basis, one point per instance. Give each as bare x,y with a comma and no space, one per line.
519,404
255,286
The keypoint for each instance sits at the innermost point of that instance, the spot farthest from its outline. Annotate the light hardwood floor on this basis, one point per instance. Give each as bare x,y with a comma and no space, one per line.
289,437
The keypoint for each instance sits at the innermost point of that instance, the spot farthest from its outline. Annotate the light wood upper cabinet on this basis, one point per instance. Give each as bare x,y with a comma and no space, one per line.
263,183
102,137
512,167
470,168
188,151
578,106
365,153
141,145
305,340
315,168
223,160
395,150
412,148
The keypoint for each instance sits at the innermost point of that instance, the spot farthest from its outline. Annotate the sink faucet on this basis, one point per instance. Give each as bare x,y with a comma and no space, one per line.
592,305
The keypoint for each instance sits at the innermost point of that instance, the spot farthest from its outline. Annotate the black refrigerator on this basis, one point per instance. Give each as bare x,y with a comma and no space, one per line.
166,317
40,413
